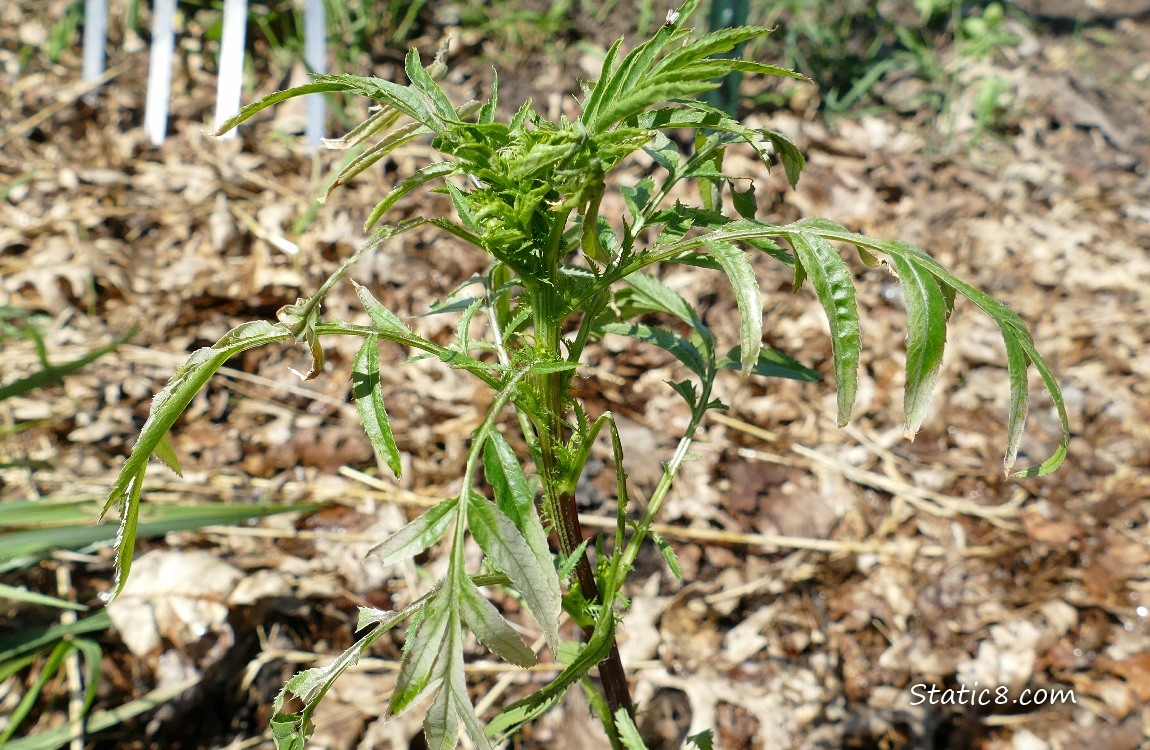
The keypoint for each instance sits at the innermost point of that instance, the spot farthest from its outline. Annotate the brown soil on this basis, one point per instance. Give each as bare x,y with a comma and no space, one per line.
827,572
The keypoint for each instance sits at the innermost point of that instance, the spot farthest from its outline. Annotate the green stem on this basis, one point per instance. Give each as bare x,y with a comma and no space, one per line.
560,506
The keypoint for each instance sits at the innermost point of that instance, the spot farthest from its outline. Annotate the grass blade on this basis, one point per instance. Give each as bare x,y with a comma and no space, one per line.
24,596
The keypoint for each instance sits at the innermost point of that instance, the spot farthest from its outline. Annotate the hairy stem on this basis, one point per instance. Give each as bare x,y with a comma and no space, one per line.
559,502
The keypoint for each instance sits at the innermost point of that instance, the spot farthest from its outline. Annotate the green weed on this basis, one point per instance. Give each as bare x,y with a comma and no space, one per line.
527,192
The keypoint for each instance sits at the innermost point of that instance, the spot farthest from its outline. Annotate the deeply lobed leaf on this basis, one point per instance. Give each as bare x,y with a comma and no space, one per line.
167,407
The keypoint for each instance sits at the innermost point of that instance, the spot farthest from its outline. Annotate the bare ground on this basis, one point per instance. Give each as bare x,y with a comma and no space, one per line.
826,572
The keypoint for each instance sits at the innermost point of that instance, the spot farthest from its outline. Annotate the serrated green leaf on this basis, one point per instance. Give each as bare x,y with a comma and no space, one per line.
628,732
661,297
440,724
613,84
831,280
379,120
487,112
666,154
703,740
543,367
543,700
521,116
166,409
166,452
497,535
745,202
367,390
1055,460
455,687
470,719
716,42
382,318
636,101
483,619
1006,319
426,85
513,494
421,176
868,258
291,730
420,654
591,101
746,288
317,87
686,389
792,158
418,535
377,151
463,208
926,315
668,554
398,97
636,196
572,561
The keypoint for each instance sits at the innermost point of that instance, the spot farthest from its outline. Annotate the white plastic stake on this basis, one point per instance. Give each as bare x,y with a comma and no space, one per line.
160,70
95,38
315,55
231,82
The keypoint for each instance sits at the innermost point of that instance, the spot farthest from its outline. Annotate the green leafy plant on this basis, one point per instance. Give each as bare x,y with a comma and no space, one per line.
528,192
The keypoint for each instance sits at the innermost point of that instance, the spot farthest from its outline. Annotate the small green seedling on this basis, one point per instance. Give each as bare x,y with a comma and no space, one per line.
527,192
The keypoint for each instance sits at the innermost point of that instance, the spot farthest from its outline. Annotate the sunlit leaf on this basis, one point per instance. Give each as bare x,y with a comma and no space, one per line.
516,498
926,316
683,349
831,280
383,319
668,554
746,287
628,732
483,619
501,540
420,655
543,700
421,176
1016,364
166,452
418,535
367,390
